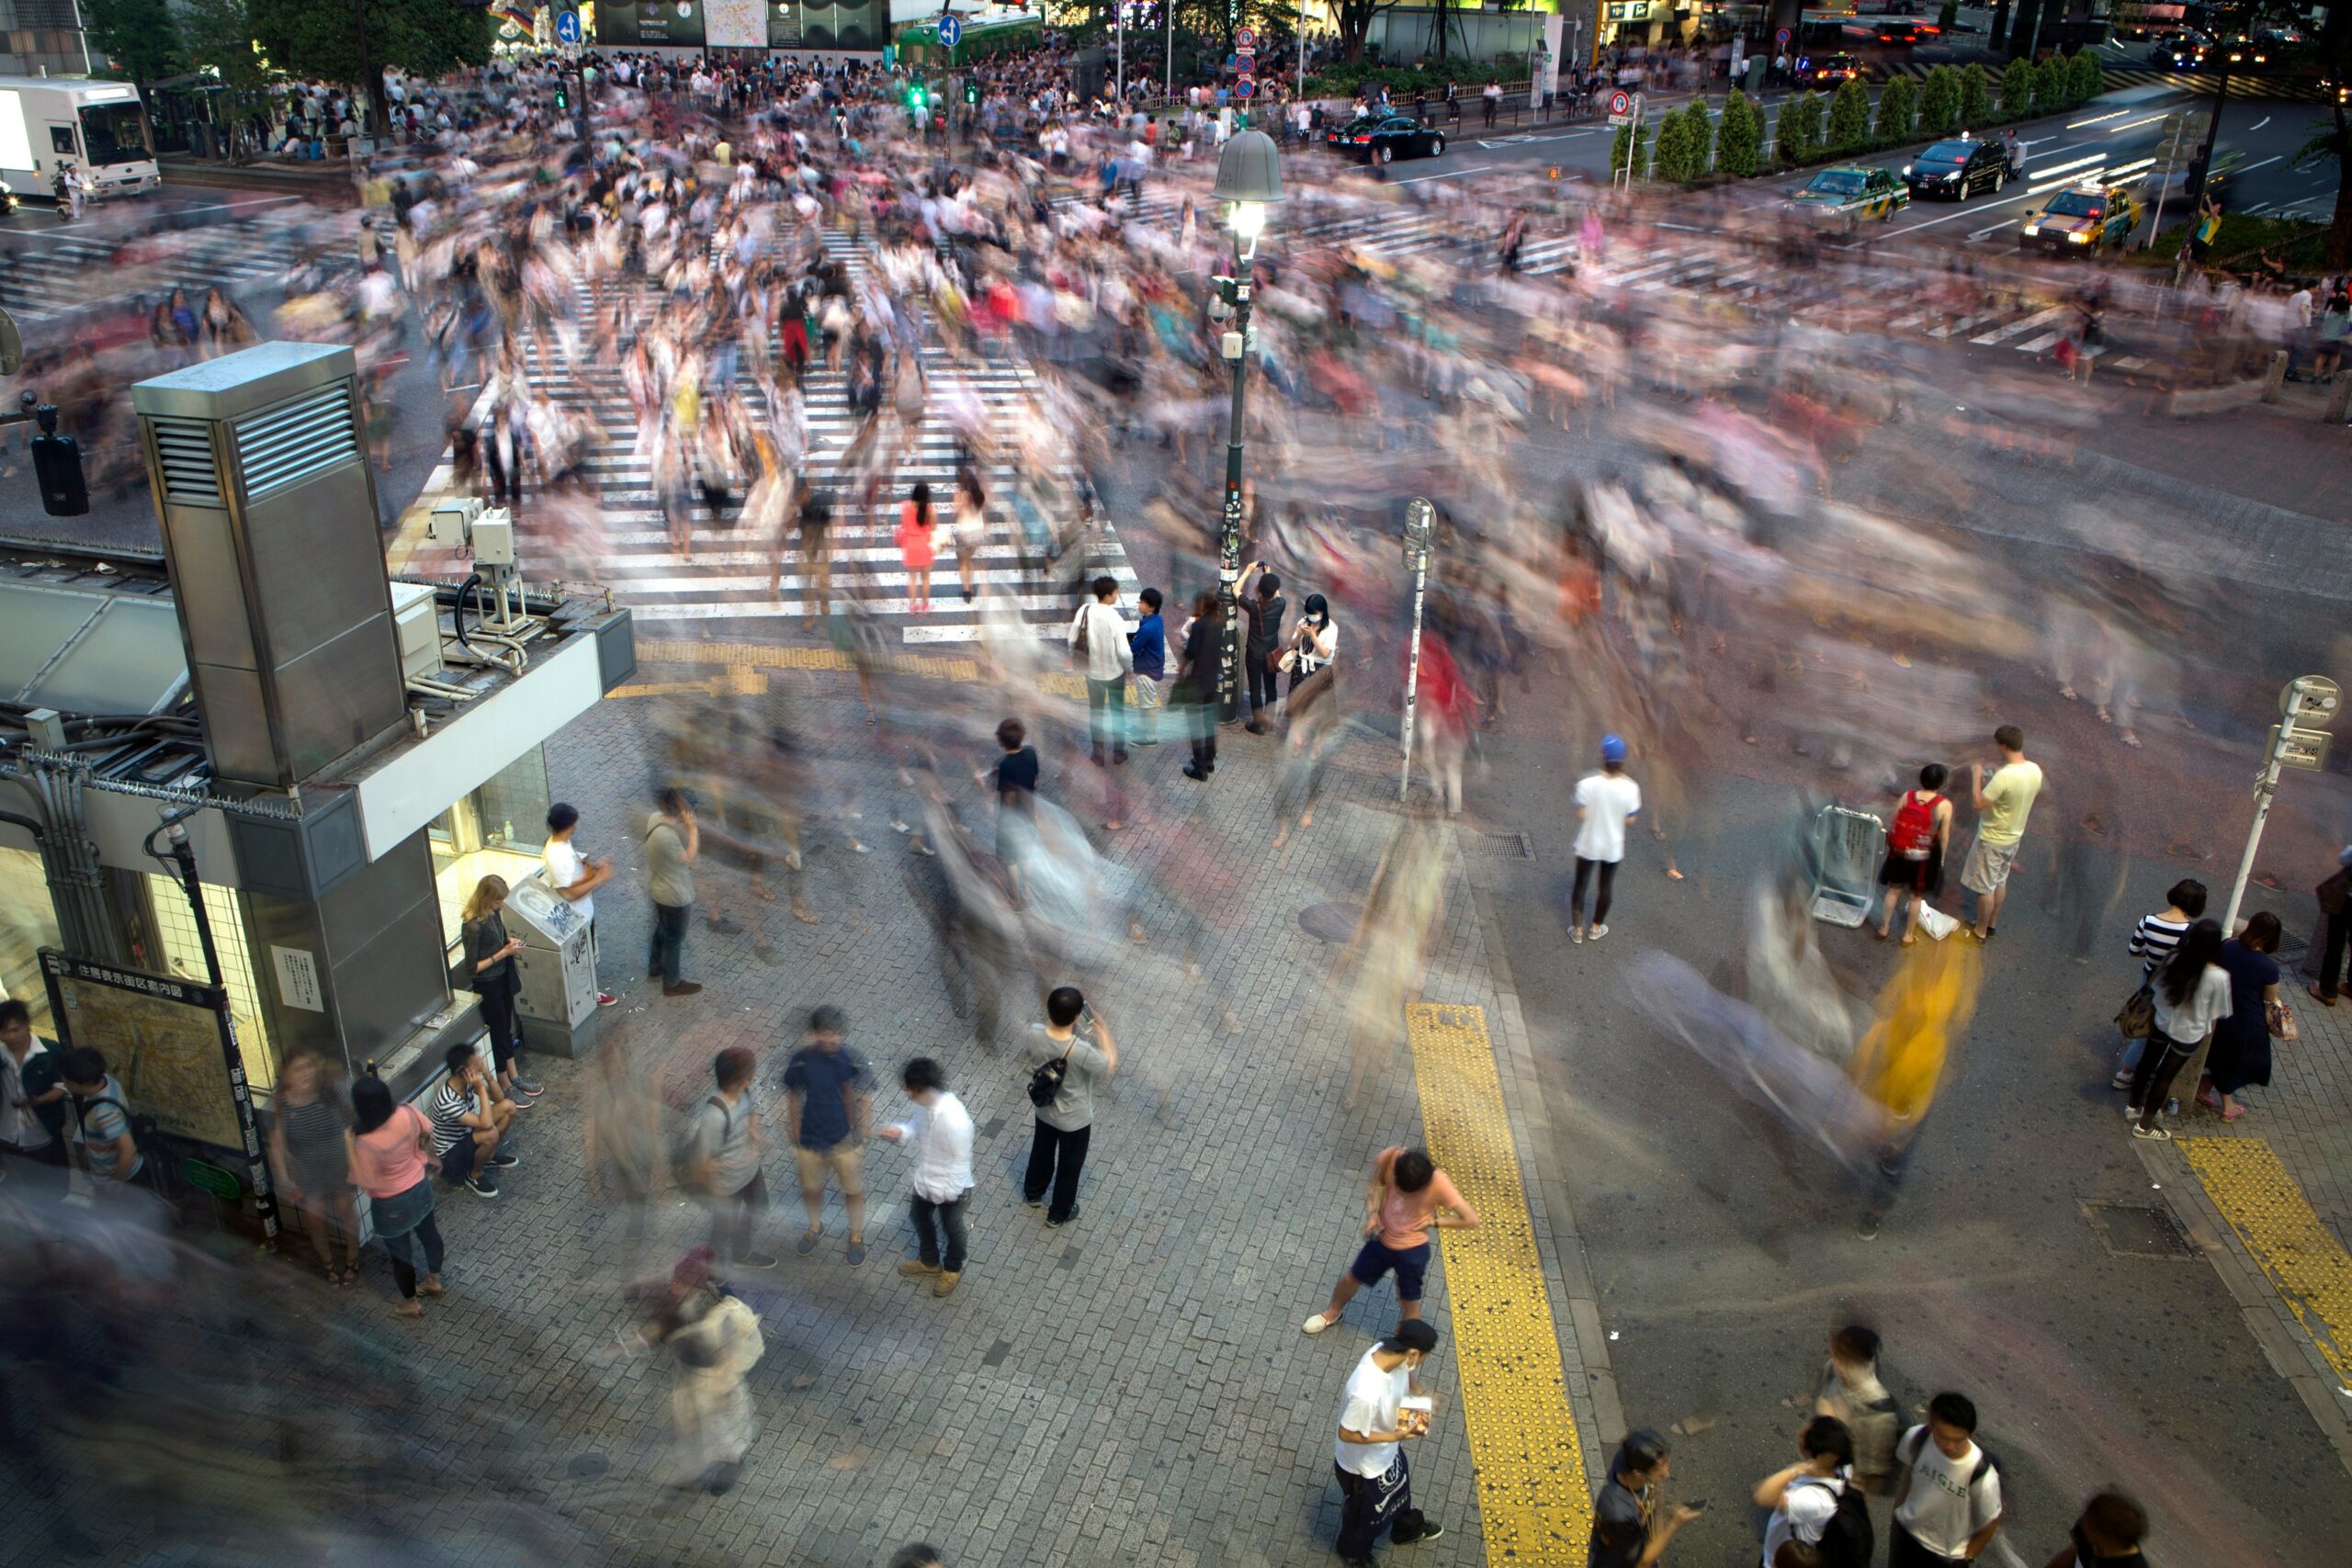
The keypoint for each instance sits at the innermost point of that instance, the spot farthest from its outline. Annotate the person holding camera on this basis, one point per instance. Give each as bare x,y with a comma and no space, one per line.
1068,1055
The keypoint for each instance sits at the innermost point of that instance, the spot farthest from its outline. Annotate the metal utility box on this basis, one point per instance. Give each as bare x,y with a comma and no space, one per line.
268,509
556,967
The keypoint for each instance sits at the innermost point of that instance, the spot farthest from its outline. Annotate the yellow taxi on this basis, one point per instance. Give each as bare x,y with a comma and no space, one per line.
2082,220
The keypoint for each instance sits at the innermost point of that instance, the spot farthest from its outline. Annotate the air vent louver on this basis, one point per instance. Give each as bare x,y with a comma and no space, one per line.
288,443
185,448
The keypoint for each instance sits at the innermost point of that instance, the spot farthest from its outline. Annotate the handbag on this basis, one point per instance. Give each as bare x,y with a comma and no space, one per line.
1046,1083
2137,1017
1286,660
2280,1019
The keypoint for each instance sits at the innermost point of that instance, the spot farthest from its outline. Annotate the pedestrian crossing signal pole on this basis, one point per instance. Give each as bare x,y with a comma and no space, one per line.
1249,180
1421,530
2308,699
2204,173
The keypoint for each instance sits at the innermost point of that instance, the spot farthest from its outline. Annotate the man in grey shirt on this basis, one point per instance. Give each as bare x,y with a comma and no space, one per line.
726,1162
1074,1047
673,840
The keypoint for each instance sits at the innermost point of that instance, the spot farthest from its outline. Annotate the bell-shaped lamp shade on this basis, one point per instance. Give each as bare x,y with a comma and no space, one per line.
1249,169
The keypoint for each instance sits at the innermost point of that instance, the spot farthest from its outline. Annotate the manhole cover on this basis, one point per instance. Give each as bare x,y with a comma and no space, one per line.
1331,922
587,1467
2135,1230
1498,846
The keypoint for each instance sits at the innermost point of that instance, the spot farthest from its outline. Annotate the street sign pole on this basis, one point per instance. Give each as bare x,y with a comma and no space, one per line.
1420,527
2313,697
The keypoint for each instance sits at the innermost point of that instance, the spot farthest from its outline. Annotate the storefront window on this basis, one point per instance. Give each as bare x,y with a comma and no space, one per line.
28,924
183,955
495,832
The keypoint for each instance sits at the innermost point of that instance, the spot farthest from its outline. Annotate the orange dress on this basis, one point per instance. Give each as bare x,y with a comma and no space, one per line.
914,540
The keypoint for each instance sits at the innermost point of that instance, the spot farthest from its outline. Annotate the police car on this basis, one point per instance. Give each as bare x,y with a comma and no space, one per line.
2082,220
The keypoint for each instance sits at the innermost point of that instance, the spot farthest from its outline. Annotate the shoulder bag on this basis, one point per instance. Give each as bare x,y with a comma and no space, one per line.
1046,1083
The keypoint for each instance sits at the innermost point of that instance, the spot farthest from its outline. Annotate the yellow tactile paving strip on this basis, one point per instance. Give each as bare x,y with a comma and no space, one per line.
1533,1505
751,656
2252,1188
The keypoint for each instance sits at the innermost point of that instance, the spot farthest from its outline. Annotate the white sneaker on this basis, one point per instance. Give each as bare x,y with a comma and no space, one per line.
1576,934
1598,932
1316,1324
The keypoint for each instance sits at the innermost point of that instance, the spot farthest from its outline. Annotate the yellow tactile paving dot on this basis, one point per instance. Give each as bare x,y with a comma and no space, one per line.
1532,1504
2252,1188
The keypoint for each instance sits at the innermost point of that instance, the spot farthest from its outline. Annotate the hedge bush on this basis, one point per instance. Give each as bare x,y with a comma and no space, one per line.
2050,82
1702,138
1740,141
1898,107
1850,117
1344,78
2016,88
1631,142
1975,97
1939,102
2083,78
1799,137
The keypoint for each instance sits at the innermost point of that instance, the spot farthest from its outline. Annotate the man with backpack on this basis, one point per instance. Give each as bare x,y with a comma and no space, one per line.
1947,1505
100,1125
721,1162
1068,1055
1814,1502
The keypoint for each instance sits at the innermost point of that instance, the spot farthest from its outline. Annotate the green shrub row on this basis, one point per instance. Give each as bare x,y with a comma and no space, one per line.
1345,78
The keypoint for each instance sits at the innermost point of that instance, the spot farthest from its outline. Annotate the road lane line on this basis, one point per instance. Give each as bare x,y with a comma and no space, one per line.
1533,1504
2284,1235
1449,174
1994,230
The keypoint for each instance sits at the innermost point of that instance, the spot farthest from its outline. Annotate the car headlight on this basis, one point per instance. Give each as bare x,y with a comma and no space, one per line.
2079,238
1953,175
2033,227
1906,171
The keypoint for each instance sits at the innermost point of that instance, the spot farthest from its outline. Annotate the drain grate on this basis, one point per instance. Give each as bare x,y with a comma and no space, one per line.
1498,846
2137,1230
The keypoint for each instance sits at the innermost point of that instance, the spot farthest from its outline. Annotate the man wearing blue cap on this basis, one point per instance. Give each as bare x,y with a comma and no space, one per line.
1606,802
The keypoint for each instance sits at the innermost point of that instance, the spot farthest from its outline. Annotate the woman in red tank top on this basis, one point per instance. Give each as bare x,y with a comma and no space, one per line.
1916,841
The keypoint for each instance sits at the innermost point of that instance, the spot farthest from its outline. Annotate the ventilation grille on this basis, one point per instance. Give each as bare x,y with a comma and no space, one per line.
290,443
184,447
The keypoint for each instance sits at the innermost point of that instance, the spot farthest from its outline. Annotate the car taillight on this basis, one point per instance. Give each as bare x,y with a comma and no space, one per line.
1363,138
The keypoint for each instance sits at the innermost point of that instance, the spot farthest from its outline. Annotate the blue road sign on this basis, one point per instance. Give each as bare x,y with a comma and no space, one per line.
951,31
567,27
1245,88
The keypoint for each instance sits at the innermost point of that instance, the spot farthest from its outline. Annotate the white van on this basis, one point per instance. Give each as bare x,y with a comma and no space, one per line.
93,125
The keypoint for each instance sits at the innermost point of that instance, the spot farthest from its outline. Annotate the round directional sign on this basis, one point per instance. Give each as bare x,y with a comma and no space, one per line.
1245,88
951,31
567,27
1621,102
1245,41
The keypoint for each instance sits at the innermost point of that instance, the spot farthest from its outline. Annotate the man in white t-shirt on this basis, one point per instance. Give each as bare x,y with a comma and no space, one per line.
575,877
1374,1480
1606,802
1949,1503
1804,1497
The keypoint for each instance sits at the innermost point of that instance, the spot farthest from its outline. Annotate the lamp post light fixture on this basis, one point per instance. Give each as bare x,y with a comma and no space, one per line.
1249,181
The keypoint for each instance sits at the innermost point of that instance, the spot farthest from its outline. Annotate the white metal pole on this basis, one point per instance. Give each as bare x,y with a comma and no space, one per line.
1413,670
1121,74
2264,789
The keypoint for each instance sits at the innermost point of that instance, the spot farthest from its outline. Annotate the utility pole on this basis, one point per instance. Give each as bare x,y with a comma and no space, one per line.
2204,171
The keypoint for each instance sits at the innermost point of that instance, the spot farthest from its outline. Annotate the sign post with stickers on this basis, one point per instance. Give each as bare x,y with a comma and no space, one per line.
2307,705
1245,68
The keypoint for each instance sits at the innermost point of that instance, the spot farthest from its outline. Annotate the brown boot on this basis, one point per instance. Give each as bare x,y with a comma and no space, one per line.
914,1271
946,1282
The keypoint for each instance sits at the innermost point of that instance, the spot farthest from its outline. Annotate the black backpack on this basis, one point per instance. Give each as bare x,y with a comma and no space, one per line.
1046,1083
1847,1541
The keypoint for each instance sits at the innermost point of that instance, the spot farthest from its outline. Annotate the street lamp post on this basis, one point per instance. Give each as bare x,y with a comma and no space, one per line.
1250,180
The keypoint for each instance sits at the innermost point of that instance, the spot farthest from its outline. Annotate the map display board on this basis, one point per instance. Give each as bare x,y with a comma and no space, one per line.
166,1040
735,24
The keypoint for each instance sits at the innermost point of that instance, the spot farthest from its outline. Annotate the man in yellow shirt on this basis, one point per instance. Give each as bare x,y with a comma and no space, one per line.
2002,801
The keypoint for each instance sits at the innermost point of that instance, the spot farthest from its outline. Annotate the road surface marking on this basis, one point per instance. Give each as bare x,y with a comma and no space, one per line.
2133,125
2284,1235
1534,1504
2257,125
1994,230
2250,167
1449,174
2078,124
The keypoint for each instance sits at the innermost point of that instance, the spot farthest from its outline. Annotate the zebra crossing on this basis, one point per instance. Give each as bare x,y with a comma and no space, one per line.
51,273
2290,89
757,583
1383,232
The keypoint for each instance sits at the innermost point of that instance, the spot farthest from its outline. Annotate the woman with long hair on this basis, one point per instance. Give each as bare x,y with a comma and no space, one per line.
390,1148
490,963
2191,994
308,1119
2241,1053
1197,686
918,524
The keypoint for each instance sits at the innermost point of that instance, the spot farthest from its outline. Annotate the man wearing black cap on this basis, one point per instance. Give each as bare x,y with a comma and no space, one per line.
1375,1425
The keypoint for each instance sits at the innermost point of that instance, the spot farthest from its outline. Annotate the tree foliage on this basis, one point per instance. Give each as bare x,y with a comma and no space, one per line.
1702,138
1671,160
1354,20
1631,142
2016,87
2083,78
1939,101
1898,107
1800,127
140,38
1739,143
421,38
2050,84
1975,97
1849,117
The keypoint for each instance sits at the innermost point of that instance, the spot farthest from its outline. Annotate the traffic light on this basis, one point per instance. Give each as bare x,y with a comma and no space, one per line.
971,92
562,97
918,98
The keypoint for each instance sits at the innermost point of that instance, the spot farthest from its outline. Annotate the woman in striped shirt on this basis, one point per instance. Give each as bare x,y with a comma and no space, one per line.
2152,941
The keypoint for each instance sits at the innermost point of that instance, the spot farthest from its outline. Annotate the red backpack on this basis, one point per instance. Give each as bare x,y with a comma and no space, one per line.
1914,825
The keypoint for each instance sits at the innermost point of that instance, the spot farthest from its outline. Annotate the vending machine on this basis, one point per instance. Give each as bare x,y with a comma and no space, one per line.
557,967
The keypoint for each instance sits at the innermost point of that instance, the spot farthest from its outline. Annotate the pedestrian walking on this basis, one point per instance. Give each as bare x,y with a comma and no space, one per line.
100,1127
970,528
1809,1500
829,1093
1068,1055
490,955
673,841
1260,596
1196,684
2003,802
2152,941
621,1146
1948,1503
1148,648
1917,839
725,1145
2107,1534
575,877
1606,804
2191,994
2335,909
916,538
2240,1056
1853,1391
1406,1197
1375,1423
310,1170
717,1341
389,1150
941,1133
1628,1529
32,1101
1098,643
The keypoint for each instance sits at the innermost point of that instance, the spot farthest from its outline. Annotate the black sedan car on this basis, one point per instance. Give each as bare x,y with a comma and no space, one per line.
2177,55
1383,139
1957,169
